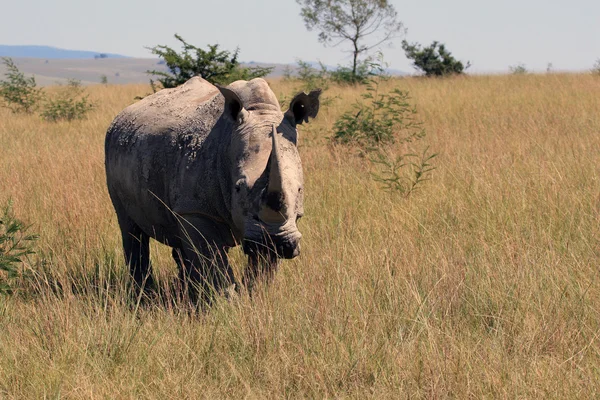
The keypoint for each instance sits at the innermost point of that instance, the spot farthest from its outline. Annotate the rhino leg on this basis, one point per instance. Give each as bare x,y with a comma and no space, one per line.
205,271
136,245
204,265
260,267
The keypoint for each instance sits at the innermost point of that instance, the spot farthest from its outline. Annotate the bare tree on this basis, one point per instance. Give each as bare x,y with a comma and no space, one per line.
364,23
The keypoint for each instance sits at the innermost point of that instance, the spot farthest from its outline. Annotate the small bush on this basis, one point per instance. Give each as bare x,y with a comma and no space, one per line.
69,104
384,119
15,243
434,60
20,94
519,69
402,173
364,71
310,78
596,68
321,77
381,127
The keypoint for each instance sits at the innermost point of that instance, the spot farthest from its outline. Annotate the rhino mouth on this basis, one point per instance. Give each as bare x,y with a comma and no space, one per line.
283,244
283,249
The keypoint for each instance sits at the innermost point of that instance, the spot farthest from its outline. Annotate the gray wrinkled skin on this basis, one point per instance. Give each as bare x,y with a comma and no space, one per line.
200,169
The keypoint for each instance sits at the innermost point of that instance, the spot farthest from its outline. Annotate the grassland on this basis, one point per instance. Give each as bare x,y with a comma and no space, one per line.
484,284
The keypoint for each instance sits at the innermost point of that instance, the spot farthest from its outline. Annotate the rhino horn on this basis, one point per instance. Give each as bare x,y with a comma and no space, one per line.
273,208
275,178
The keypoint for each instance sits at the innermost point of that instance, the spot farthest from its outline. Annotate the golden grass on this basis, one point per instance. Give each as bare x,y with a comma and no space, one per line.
482,284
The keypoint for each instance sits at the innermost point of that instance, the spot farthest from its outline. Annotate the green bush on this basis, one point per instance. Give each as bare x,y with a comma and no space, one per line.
434,60
15,244
519,69
214,65
364,71
68,104
311,77
20,94
402,173
596,68
384,118
381,127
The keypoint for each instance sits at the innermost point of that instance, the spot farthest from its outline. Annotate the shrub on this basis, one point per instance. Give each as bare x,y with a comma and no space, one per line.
519,69
15,243
434,60
403,173
364,70
20,94
596,68
311,78
385,118
214,65
381,127
68,104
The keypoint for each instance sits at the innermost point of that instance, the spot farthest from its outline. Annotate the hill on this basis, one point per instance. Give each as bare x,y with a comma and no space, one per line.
51,65
52,52
90,71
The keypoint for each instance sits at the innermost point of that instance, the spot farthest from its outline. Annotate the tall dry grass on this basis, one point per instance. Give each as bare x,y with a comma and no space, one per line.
485,283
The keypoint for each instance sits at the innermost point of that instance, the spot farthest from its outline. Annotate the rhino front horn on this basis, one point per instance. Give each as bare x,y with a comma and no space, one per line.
275,178
273,207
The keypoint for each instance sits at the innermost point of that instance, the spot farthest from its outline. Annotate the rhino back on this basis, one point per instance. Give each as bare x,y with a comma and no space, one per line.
162,153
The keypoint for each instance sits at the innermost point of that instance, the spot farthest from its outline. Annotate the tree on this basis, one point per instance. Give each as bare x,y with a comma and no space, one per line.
434,60
353,21
214,65
20,93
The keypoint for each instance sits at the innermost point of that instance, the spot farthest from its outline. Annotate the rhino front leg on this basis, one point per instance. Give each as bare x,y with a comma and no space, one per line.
260,267
205,272
205,269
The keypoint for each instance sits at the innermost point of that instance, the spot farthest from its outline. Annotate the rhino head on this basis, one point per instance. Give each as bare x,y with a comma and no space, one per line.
267,185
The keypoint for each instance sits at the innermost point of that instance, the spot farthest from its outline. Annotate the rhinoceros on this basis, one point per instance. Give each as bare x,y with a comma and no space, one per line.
204,168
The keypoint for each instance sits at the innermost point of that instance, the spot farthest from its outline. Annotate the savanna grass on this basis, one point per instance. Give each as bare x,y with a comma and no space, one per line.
483,284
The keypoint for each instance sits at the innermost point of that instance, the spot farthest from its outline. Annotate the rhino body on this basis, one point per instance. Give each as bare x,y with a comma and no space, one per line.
202,169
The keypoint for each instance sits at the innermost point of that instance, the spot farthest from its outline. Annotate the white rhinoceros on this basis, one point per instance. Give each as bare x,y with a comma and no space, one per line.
202,169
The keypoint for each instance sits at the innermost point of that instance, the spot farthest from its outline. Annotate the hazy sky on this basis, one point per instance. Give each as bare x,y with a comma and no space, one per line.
491,34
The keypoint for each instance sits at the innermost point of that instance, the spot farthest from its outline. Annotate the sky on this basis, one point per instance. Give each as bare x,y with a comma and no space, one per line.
492,35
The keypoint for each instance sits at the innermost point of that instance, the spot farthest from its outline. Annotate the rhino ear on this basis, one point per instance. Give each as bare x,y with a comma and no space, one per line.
303,106
233,105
